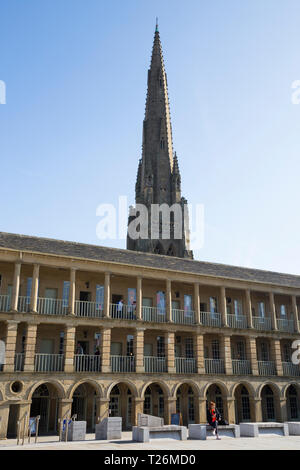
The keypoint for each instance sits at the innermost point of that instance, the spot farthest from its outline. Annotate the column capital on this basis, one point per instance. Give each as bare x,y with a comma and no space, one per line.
12,322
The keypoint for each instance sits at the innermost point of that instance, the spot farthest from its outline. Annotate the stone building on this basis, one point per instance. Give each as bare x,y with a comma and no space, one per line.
187,331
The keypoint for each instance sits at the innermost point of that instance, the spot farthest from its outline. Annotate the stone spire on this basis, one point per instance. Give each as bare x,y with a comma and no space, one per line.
158,178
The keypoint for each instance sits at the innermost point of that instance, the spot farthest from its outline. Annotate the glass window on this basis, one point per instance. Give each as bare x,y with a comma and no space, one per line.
283,310
160,346
129,345
215,349
189,347
261,309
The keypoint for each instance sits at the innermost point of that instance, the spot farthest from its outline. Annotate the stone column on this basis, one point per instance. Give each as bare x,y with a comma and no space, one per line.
30,344
107,295
199,339
34,289
69,348
273,311
197,304
229,408
248,303
16,287
168,301
72,293
251,353
226,346
170,408
223,306
138,346
105,350
276,355
138,407
102,407
64,408
170,352
10,345
295,314
4,413
139,297
255,409
200,411
23,416
282,410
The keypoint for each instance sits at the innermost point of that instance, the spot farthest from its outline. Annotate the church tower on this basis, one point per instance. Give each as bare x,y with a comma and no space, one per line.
158,178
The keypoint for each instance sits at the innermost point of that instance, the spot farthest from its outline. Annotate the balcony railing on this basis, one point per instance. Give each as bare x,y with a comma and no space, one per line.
87,363
210,319
241,367
19,362
290,369
88,309
262,323
122,363
49,362
183,317
235,321
214,366
185,365
23,304
155,364
266,368
283,324
5,302
52,306
153,314
125,312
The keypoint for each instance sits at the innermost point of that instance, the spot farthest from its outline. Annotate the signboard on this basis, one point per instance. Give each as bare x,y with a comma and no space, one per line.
176,419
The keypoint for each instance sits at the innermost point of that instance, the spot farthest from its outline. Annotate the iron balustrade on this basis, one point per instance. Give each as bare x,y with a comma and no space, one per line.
290,369
185,365
153,314
87,363
125,312
5,302
237,321
19,362
88,309
241,367
122,363
154,364
284,324
24,304
266,368
183,317
211,319
49,363
214,366
51,306
262,323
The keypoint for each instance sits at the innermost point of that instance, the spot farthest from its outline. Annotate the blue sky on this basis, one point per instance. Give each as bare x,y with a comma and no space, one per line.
71,128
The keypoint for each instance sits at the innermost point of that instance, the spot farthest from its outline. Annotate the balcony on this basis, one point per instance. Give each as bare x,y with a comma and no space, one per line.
23,304
88,309
266,368
262,323
290,369
185,365
235,321
5,301
19,362
211,319
153,314
51,306
241,367
87,363
122,363
283,324
183,317
49,363
155,364
214,366
124,312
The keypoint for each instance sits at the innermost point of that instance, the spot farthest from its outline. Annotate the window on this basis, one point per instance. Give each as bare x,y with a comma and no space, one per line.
283,310
286,353
66,290
129,345
264,351
215,349
213,304
237,308
189,348
61,342
241,353
160,346
261,309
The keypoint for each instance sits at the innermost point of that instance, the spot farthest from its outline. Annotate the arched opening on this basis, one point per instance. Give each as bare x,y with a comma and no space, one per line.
121,405
154,401
158,249
45,404
242,405
214,393
292,403
84,405
185,404
269,404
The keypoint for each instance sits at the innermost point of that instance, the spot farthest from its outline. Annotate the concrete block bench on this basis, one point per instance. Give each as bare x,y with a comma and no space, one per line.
230,430
294,428
76,431
149,420
197,431
260,429
145,433
109,428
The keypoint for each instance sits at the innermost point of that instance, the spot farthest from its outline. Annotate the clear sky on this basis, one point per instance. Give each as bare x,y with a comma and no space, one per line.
71,128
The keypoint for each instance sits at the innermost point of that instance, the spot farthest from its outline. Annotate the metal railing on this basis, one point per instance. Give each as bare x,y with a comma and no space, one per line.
266,368
125,312
290,369
49,363
185,365
235,321
27,426
51,306
153,314
19,362
241,367
24,304
283,324
183,317
154,364
88,309
5,302
262,323
87,363
211,319
64,424
214,366
122,363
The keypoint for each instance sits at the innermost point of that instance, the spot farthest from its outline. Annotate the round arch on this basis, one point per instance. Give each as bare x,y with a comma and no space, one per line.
98,388
195,387
129,384
275,388
55,383
166,390
247,385
219,384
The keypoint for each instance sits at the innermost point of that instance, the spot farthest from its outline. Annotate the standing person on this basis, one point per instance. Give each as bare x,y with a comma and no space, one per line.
120,307
213,417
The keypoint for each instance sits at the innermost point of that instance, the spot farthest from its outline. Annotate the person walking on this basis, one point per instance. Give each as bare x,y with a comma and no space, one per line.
213,418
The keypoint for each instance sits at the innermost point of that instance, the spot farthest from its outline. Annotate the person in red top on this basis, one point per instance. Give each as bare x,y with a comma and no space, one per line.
213,417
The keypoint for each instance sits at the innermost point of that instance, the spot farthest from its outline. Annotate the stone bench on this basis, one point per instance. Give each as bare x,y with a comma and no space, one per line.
259,429
76,431
294,428
197,431
229,430
149,420
145,433
109,428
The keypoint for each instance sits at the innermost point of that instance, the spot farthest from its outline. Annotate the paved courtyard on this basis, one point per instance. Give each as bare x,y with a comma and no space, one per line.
267,442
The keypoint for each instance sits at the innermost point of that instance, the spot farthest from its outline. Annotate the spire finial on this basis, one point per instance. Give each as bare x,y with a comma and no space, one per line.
156,26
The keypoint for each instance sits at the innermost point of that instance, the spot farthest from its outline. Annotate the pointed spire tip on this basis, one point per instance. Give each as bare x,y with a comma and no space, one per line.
156,26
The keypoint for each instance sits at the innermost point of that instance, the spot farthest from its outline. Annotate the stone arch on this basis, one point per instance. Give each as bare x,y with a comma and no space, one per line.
244,408
187,395
45,397
246,384
270,395
292,397
98,387
129,384
55,383
287,386
191,383
219,384
272,385
165,388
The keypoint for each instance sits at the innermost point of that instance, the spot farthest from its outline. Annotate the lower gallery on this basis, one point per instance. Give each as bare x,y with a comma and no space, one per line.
96,332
